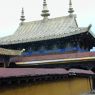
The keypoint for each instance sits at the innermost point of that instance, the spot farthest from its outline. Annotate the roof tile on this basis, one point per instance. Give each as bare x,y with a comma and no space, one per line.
44,30
18,72
4,51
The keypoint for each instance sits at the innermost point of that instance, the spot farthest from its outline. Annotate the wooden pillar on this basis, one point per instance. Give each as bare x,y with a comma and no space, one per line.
6,64
6,61
90,83
55,47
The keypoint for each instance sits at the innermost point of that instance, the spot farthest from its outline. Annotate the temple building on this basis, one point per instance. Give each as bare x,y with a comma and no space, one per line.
48,57
56,35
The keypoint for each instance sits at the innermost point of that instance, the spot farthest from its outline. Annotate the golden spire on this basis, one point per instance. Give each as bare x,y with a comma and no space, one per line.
22,15
70,7
45,11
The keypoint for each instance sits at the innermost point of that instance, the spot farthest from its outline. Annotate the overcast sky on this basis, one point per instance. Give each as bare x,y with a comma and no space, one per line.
10,11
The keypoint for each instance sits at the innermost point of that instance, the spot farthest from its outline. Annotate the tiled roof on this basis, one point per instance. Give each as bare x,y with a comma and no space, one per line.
44,29
18,72
9,52
80,71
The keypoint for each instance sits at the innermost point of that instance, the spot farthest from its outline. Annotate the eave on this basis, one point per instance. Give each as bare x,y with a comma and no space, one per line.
54,58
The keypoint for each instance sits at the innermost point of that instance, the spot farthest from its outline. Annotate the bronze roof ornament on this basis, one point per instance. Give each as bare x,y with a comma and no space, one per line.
70,8
22,15
45,11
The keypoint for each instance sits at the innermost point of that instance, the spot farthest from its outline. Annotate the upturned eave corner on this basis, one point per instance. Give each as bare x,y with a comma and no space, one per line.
89,27
90,31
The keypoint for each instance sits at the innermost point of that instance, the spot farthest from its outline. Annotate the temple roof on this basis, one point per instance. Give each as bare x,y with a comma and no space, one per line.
54,58
9,52
44,30
20,72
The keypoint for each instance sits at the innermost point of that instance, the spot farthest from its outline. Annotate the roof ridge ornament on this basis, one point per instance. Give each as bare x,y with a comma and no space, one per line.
89,27
70,8
45,11
22,15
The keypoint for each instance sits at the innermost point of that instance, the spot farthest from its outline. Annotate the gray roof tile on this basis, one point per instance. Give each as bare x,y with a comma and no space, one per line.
4,51
44,30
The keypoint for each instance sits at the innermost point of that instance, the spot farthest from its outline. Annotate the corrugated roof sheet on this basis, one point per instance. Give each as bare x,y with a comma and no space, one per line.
4,51
44,30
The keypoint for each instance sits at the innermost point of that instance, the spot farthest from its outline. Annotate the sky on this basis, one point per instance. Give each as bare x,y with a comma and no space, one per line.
10,12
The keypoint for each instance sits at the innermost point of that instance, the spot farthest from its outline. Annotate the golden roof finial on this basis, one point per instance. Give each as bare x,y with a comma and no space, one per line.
22,15
70,7
45,11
